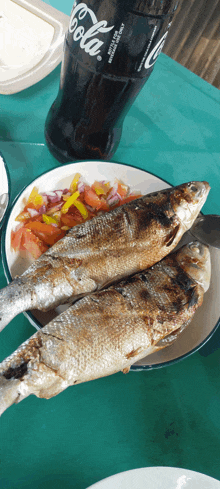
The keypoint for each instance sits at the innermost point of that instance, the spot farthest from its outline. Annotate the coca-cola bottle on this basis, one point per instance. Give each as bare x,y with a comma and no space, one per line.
109,53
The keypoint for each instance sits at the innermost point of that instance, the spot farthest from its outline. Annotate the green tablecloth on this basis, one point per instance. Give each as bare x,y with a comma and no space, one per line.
168,416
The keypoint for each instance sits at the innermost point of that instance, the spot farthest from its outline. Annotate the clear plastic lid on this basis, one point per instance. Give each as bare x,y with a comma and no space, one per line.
32,35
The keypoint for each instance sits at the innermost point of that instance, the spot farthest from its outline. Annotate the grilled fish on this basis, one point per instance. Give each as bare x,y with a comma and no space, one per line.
105,249
109,330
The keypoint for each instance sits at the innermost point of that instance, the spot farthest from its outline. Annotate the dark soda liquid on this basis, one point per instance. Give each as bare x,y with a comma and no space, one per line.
88,125
110,50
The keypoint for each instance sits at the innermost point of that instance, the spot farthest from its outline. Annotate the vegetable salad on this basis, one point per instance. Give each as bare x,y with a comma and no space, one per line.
48,216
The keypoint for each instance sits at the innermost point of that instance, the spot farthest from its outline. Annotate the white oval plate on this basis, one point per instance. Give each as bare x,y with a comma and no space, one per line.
4,189
158,478
206,318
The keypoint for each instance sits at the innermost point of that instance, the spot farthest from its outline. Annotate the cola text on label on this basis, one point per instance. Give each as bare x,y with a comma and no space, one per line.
88,42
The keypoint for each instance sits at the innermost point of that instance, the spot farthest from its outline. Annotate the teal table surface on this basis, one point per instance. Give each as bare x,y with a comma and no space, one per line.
160,417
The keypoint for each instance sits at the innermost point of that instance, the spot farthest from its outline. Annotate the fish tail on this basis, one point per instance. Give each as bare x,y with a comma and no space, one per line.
14,299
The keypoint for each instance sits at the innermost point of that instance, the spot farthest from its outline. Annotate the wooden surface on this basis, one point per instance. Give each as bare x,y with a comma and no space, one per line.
194,38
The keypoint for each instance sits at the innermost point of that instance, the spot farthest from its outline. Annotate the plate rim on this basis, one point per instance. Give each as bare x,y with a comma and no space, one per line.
161,468
9,189
35,323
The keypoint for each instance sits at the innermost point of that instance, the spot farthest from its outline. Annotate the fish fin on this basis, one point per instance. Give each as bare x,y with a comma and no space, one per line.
134,353
171,236
126,370
172,337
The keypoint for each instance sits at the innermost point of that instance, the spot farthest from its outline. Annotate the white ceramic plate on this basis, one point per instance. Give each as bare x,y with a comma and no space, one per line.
158,478
32,42
206,318
4,189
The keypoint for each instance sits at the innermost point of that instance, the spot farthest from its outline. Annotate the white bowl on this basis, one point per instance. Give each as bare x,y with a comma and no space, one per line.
206,318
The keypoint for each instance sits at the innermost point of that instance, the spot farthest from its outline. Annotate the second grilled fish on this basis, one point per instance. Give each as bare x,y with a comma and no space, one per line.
106,249
109,330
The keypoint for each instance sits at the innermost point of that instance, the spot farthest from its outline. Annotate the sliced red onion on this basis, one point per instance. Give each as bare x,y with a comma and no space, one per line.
50,193
81,187
42,210
112,194
55,199
32,212
45,199
53,196
67,194
59,193
113,200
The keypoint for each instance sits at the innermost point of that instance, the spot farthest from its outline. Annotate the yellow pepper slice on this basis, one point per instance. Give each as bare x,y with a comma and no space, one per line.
99,191
70,202
100,188
35,198
74,182
48,219
81,208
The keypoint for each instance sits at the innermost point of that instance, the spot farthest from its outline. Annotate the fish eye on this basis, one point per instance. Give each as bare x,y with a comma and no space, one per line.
194,188
197,247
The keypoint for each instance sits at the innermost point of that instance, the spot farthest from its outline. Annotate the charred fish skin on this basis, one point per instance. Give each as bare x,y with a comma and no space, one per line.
105,249
109,330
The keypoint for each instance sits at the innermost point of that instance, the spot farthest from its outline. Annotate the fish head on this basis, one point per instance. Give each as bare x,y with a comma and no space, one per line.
194,259
188,200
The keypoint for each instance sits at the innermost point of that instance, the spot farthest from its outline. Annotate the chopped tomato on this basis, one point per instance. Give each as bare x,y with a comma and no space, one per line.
68,220
130,198
16,238
48,233
73,211
91,198
32,243
104,205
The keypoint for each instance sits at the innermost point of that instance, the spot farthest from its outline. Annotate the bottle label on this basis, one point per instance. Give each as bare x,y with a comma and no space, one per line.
114,41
